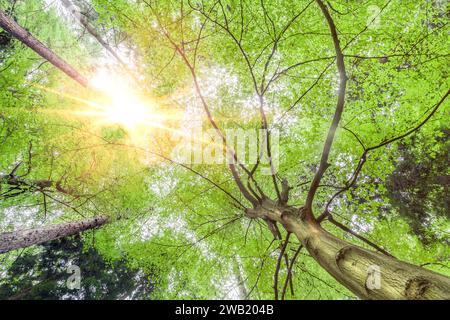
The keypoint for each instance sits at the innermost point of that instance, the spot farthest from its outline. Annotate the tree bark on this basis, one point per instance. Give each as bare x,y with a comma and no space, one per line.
26,38
369,275
25,238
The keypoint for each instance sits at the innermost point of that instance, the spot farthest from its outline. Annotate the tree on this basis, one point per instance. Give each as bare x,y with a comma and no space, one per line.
274,67
25,238
75,11
418,186
24,36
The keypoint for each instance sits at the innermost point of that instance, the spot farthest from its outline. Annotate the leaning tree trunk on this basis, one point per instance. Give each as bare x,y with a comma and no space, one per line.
74,10
25,238
85,23
25,37
369,275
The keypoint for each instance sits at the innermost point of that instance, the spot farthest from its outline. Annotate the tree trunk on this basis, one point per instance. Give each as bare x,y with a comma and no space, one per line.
25,37
25,238
85,23
242,290
74,10
369,275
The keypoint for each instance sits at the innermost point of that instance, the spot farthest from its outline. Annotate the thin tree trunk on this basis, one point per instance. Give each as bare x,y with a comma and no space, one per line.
369,275
25,238
89,28
26,38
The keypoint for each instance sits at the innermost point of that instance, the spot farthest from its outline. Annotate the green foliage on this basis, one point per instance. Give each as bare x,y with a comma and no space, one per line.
169,220
43,275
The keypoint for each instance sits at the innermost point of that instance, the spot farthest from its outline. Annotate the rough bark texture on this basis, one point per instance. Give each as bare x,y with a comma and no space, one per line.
25,238
354,266
26,38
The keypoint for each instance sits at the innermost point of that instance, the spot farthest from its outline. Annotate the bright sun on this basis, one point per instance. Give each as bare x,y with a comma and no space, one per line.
124,106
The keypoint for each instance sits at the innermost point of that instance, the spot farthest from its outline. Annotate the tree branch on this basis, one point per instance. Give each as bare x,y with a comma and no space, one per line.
352,180
26,38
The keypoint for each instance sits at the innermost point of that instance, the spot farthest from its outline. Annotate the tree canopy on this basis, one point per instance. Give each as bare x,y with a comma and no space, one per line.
349,98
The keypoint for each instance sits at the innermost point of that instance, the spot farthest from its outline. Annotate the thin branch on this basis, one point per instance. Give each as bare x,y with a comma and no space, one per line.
277,269
337,115
352,180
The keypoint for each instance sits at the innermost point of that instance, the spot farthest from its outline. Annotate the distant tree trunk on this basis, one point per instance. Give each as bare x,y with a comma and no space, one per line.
26,38
85,23
25,238
367,274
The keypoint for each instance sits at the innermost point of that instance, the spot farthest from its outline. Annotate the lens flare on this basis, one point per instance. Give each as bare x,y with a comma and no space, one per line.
124,107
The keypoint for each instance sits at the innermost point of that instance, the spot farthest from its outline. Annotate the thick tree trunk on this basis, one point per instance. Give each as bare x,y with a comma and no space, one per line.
25,238
367,274
25,37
